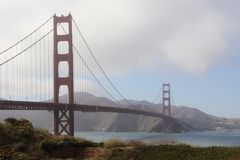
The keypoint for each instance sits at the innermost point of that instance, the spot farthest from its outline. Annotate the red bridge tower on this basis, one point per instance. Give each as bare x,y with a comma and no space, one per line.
166,99
64,118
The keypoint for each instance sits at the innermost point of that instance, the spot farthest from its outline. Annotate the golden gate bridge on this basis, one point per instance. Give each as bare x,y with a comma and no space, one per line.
56,59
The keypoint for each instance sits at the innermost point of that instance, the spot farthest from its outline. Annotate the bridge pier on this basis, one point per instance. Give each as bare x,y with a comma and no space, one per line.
64,118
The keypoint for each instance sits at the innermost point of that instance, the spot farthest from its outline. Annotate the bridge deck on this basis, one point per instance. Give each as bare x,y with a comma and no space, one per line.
22,105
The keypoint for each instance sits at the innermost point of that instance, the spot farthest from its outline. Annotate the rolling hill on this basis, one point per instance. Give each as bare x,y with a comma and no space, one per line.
190,119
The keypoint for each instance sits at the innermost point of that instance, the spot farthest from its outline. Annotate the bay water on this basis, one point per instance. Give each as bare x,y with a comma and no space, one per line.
203,139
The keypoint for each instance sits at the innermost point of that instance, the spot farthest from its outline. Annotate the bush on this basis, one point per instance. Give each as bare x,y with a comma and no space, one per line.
41,134
21,147
6,152
20,156
48,145
135,144
18,130
56,142
113,143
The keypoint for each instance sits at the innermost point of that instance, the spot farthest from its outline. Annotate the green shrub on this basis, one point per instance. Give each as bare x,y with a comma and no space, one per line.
21,147
53,143
20,156
48,145
6,152
41,134
135,144
18,131
87,143
113,143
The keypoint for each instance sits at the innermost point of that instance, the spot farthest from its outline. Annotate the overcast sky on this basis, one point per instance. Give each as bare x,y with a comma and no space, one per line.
193,44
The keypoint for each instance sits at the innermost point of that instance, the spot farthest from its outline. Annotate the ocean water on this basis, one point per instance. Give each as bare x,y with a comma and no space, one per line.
202,139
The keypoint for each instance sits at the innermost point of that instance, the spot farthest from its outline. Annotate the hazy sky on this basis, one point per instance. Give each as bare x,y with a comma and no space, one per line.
193,44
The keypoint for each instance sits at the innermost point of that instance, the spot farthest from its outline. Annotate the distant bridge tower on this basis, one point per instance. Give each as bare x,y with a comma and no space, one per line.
64,118
166,99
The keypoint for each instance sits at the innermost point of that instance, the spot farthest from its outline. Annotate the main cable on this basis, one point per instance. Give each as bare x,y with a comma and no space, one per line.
95,76
88,68
157,95
26,36
104,73
26,48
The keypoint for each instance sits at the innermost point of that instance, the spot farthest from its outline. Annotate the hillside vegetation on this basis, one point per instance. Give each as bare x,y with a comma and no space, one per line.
19,140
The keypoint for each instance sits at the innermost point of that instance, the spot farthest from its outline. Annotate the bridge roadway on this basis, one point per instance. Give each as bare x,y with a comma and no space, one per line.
41,106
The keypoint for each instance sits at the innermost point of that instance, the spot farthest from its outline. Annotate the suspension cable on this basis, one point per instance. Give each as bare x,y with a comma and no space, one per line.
26,36
95,59
89,69
172,98
1,64
157,95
